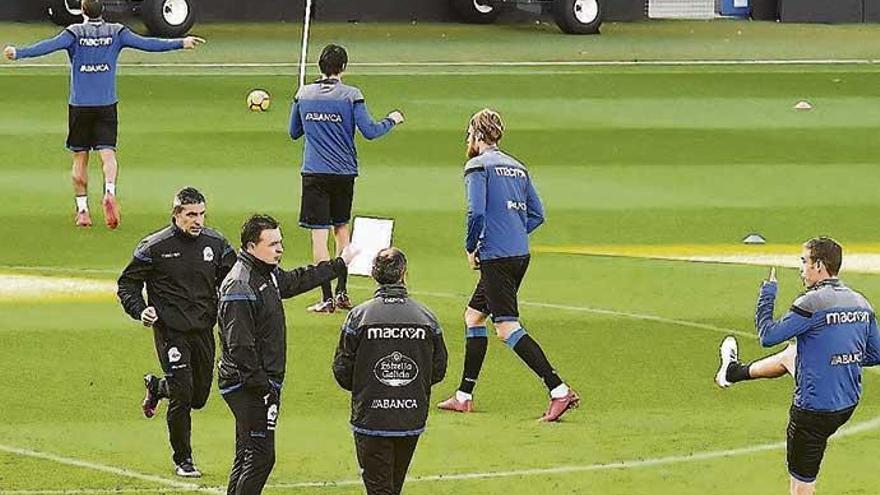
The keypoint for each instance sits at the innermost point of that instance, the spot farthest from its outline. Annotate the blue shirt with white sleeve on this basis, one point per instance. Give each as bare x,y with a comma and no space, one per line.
93,48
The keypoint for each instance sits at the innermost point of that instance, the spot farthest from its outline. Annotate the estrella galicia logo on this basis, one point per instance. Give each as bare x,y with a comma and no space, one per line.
396,370
208,254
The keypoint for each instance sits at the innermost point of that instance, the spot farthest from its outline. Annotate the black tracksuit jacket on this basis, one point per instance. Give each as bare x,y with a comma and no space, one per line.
253,331
182,274
391,351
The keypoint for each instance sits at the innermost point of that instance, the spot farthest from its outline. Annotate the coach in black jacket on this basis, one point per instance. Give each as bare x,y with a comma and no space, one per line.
390,353
253,339
182,266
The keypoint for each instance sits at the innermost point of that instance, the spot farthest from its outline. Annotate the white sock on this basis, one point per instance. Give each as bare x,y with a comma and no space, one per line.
110,188
559,392
461,396
82,203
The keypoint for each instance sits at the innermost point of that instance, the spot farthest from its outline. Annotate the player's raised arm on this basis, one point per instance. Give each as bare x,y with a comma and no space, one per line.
130,39
370,129
62,41
772,332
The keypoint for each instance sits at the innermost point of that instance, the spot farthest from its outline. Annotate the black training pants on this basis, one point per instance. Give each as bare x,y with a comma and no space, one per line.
188,362
254,442
384,462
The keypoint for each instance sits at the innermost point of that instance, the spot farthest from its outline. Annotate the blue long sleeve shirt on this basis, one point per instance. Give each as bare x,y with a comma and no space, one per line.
503,206
327,112
836,334
93,48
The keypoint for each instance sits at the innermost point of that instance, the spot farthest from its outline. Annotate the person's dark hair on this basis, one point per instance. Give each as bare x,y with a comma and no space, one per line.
333,60
254,226
826,250
186,196
93,9
389,266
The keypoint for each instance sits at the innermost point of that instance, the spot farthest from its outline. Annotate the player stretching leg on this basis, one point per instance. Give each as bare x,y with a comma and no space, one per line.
503,209
836,335
93,48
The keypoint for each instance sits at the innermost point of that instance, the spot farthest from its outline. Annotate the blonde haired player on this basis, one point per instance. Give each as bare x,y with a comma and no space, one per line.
503,209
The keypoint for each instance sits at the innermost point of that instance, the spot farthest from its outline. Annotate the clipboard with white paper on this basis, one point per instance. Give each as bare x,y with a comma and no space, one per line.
370,235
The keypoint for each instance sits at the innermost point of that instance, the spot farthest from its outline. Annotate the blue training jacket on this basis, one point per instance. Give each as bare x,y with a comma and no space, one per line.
93,48
326,112
836,332
503,206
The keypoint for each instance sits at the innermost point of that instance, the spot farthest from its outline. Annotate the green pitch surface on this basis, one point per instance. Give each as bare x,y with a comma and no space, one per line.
641,155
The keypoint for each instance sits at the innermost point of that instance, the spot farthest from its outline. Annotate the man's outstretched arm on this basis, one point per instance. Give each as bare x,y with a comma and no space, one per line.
771,332
61,42
131,39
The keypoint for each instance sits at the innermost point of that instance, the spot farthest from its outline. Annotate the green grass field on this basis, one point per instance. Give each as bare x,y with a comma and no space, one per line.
650,155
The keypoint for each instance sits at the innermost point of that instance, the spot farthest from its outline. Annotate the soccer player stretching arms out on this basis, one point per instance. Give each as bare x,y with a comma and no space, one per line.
503,209
835,332
327,112
93,48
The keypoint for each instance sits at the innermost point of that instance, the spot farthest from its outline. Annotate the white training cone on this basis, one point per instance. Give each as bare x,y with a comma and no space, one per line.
754,239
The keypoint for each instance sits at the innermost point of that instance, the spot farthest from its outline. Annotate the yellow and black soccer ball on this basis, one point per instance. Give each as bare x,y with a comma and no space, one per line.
259,100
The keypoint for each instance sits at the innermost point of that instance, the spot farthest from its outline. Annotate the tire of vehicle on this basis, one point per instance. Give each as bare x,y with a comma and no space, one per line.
168,18
578,16
64,12
475,11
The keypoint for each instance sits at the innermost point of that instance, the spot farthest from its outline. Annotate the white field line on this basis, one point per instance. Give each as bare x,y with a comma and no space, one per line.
629,464
539,63
127,473
31,287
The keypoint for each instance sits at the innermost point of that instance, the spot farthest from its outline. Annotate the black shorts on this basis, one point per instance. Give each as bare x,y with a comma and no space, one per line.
499,283
807,438
326,200
91,128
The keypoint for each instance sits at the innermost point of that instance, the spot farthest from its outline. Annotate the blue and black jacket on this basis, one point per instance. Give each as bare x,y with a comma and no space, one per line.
836,335
93,48
503,206
327,112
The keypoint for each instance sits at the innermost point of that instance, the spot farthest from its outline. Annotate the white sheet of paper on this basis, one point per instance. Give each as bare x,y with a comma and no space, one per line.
740,3
371,235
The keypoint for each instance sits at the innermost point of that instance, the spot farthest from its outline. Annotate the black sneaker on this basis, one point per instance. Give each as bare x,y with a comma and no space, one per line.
342,301
187,469
151,399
